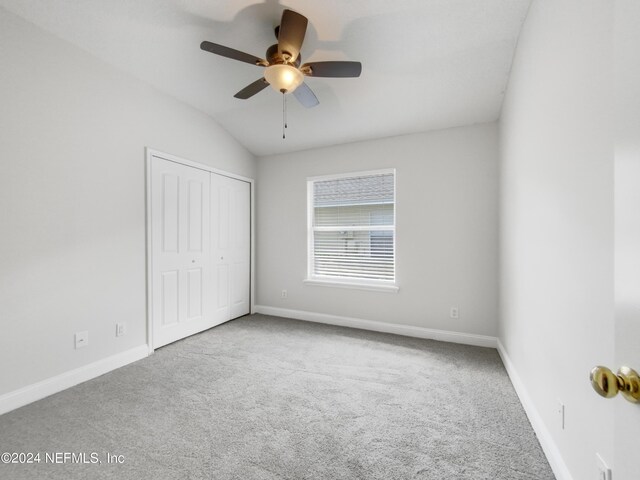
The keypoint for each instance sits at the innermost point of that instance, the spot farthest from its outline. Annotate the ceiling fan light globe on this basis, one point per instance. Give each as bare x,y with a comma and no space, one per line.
283,77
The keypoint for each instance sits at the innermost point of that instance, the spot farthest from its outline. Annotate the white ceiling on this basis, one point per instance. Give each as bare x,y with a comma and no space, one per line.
427,64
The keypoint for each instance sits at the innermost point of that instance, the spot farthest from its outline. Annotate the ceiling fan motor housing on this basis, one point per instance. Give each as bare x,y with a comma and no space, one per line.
274,57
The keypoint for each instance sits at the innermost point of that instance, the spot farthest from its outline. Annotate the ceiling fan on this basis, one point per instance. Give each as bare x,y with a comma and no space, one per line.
282,66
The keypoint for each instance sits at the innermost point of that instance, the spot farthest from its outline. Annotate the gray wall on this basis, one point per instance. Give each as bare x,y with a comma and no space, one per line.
72,199
557,222
447,229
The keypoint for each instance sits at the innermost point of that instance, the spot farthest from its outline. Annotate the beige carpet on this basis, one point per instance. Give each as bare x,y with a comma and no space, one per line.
269,398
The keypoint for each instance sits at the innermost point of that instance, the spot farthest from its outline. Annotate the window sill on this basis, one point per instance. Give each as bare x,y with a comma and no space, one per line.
374,287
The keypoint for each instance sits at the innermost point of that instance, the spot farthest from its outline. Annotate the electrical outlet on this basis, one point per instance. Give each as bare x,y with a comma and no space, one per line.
454,312
561,412
81,339
604,472
121,329
283,294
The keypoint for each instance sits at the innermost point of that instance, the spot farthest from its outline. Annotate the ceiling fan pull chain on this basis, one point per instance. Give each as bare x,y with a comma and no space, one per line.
284,113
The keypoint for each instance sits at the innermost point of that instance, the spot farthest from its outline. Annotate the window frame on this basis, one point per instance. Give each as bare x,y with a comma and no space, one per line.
354,283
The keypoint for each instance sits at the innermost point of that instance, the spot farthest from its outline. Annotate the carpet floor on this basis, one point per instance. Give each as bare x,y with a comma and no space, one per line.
270,398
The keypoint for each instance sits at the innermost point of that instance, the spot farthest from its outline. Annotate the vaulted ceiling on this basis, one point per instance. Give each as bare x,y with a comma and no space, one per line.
427,64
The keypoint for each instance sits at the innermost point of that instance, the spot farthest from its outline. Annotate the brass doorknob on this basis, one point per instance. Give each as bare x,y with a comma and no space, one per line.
608,384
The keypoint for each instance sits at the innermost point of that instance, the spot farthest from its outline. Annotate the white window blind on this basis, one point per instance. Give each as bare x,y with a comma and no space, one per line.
352,227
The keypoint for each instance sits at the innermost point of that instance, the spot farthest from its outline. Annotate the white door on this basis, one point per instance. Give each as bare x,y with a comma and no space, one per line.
627,229
231,246
180,245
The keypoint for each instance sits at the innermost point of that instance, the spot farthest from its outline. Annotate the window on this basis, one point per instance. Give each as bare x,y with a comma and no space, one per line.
352,230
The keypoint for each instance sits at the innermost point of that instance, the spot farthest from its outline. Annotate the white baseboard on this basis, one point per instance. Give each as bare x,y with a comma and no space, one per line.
544,436
398,329
36,391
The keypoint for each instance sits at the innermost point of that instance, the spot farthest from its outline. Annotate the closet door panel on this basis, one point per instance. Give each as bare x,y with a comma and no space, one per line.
231,234
241,249
180,251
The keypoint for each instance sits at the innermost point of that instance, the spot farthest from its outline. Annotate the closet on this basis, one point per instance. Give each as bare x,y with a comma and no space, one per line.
200,249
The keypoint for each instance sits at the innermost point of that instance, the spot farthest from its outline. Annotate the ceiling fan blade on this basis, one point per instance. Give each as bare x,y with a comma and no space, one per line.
293,27
306,96
332,69
233,54
251,89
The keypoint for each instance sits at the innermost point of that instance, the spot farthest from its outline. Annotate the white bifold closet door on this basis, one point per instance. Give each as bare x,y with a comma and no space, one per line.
194,236
231,245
